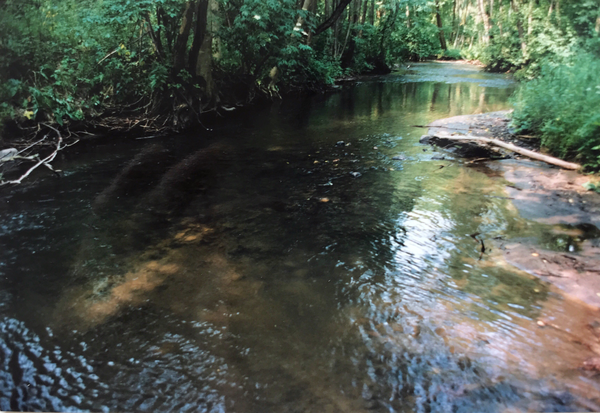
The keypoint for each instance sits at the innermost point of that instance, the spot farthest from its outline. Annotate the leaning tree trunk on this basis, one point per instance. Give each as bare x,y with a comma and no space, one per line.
333,18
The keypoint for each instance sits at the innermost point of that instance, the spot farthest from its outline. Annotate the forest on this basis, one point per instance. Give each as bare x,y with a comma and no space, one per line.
160,65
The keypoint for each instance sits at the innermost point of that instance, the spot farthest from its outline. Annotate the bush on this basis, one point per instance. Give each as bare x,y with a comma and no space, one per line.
419,42
450,54
561,105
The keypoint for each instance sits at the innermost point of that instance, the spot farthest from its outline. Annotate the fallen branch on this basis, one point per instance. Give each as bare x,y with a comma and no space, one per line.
511,147
46,161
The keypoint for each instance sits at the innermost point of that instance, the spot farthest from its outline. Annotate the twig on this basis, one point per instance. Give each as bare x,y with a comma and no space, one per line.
33,144
108,55
44,161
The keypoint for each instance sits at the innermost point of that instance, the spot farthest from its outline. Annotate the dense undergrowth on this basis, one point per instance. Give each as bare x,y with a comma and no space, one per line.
562,106
63,61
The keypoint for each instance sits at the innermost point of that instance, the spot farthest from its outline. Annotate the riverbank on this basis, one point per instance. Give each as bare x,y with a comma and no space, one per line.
542,193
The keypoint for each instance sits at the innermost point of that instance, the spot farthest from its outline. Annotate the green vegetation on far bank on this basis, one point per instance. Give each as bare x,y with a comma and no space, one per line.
169,61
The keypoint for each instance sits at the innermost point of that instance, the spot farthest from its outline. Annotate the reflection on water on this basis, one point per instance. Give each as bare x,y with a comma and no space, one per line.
286,263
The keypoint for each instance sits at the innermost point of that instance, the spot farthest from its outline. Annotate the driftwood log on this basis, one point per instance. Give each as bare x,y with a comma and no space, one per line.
511,147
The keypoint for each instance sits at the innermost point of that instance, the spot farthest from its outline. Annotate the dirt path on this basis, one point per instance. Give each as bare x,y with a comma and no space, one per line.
548,195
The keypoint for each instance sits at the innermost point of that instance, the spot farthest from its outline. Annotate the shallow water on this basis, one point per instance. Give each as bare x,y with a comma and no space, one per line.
285,262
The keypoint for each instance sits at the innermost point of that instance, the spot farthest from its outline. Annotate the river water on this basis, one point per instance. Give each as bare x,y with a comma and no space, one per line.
285,262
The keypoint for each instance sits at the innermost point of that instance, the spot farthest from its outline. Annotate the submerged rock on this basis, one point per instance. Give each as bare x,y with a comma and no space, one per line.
8,154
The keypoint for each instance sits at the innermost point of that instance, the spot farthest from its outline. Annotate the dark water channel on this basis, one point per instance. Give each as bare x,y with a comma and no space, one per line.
284,262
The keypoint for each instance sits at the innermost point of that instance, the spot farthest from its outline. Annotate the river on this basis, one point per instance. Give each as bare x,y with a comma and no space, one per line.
305,256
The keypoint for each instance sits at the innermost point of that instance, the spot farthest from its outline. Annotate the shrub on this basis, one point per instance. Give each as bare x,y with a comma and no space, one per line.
450,54
561,105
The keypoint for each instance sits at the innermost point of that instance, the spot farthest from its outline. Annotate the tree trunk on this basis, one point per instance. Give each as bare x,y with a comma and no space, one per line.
454,35
515,8
333,18
365,8
486,21
530,19
372,13
511,147
306,6
155,38
438,18
348,54
199,35
182,39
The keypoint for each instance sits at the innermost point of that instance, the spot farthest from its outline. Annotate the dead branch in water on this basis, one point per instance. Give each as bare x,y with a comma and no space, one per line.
511,147
59,145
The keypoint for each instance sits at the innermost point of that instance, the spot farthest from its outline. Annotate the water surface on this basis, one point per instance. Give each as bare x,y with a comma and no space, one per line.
285,262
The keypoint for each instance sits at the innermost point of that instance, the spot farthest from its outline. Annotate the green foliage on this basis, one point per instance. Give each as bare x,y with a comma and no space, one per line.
592,187
300,66
64,60
450,54
419,42
548,41
561,105
257,36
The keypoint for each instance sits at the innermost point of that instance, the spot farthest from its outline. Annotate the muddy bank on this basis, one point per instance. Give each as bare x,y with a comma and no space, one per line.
541,193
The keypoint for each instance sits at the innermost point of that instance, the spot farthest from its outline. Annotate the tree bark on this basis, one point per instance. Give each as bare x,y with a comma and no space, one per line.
306,6
486,21
348,54
182,38
454,31
155,39
163,20
530,19
438,18
199,35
